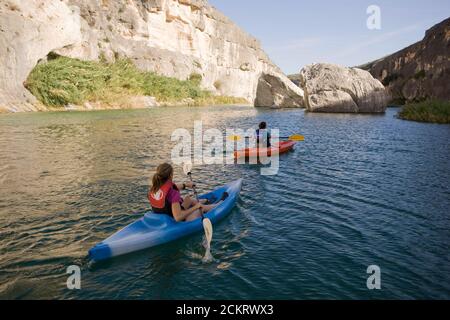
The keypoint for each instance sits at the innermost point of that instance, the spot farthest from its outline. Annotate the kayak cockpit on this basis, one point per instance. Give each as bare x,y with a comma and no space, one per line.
158,220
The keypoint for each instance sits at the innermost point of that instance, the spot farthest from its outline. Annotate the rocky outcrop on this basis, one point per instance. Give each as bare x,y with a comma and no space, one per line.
174,38
29,30
295,78
274,92
332,88
419,72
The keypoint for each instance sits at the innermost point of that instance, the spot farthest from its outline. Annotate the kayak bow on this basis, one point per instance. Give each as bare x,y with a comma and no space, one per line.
156,229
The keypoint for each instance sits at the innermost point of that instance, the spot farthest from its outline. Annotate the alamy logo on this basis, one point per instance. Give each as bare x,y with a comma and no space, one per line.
374,280
374,19
207,147
74,280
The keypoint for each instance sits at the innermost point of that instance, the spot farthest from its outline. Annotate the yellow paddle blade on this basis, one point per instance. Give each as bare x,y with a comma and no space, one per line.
297,137
235,138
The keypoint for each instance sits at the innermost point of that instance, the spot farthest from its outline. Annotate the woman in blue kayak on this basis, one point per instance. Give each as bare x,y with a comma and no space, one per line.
165,197
263,136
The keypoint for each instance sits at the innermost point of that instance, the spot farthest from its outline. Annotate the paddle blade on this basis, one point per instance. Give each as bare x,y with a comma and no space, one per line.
235,138
207,225
187,168
297,137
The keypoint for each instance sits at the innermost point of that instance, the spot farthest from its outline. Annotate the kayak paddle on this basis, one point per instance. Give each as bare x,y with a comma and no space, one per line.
295,137
207,225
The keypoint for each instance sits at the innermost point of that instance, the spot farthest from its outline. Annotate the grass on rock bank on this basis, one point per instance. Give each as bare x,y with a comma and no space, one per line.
427,111
63,81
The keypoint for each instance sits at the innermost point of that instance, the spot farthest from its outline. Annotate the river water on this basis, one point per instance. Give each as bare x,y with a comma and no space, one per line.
361,190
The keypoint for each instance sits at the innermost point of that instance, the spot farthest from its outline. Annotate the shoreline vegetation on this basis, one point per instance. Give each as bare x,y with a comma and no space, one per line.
431,111
64,82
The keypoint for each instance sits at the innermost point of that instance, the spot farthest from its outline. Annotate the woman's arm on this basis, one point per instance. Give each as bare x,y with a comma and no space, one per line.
183,186
181,215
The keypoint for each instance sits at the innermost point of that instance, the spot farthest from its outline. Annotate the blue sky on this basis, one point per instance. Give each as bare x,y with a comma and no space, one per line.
296,32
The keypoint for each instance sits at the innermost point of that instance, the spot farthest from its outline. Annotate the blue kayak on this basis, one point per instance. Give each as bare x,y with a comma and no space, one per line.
156,229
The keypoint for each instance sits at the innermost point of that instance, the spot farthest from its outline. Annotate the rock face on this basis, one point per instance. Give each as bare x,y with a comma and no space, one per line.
419,72
28,29
295,78
273,92
332,88
174,38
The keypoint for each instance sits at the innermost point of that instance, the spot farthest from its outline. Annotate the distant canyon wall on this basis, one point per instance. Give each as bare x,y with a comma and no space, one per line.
174,38
420,71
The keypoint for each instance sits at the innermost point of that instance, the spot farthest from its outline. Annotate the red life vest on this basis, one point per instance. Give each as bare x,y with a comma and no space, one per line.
159,201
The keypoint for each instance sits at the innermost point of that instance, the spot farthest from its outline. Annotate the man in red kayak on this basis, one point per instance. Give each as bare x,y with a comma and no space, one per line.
165,197
263,136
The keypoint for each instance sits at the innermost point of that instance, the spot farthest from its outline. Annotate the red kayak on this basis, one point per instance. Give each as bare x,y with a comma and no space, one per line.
279,148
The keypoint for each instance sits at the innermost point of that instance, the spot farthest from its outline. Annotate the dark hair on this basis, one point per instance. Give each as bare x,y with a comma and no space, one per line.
263,125
163,173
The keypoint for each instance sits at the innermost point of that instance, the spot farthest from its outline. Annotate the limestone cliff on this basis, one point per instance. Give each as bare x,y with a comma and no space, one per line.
420,71
171,37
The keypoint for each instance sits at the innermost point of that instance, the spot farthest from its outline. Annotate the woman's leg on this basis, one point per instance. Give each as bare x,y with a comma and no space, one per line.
208,208
194,216
188,202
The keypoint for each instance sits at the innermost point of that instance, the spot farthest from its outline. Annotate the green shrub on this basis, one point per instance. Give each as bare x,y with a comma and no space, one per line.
195,77
219,101
390,78
63,81
420,75
218,84
427,111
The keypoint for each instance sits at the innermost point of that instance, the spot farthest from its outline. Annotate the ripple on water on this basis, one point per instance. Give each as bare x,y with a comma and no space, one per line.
360,190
